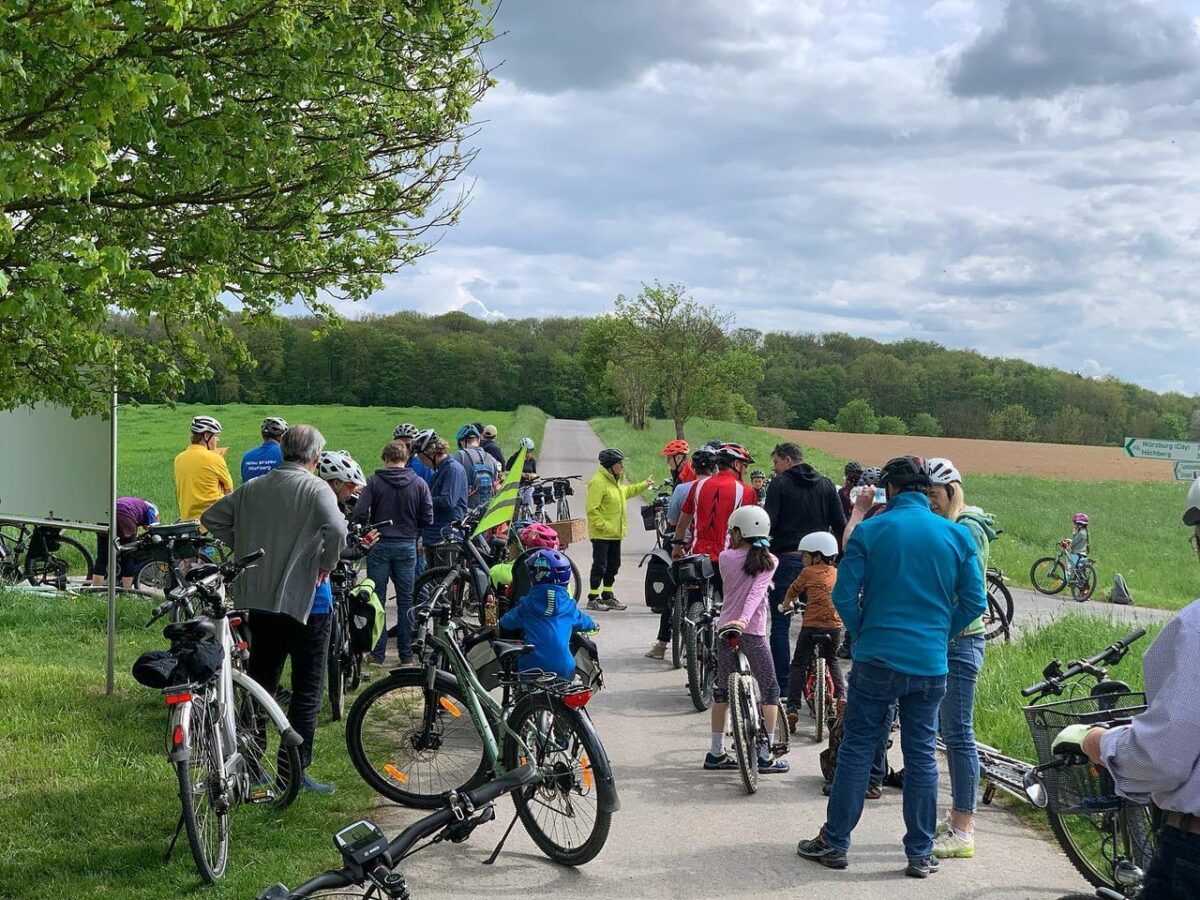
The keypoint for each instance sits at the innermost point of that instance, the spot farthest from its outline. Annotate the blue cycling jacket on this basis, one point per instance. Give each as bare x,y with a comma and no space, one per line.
898,582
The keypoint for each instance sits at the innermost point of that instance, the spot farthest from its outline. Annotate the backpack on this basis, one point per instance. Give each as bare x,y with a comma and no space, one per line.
481,480
1120,592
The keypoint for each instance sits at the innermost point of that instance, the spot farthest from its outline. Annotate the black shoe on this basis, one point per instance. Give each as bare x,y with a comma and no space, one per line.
921,868
821,852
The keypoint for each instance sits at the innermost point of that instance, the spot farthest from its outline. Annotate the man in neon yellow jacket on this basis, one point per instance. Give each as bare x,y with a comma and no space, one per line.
607,525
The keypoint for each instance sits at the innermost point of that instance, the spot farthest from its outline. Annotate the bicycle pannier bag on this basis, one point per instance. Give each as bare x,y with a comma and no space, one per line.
649,514
366,616
587,661
1120,592
660,585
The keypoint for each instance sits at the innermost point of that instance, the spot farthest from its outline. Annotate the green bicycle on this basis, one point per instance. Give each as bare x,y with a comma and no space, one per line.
430,731
1051,574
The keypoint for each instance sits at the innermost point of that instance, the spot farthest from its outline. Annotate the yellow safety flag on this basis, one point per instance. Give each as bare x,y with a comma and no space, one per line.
504,504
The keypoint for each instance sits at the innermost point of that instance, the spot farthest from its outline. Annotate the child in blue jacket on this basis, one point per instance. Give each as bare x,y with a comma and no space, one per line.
548,614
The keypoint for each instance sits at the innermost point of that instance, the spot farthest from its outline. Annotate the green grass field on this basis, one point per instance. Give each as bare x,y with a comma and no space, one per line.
88,801
151,436
1136,527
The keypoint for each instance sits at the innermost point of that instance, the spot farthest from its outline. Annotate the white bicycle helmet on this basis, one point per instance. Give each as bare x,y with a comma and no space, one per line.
405,430
872,475
273,426
205,425
942,471
423,439
339,465
1191,512
820,542
527,443
752,521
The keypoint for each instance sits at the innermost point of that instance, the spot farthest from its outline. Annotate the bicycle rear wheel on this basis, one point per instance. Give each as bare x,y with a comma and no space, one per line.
413,747
562,812
153,578
701,668
999,613
820,697
337,684
780,737
69,563
274,766
205,803
1048,575
742,712
1082,591
677,627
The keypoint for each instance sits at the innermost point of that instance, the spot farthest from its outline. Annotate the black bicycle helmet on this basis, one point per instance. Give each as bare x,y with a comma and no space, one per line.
854,469
906,473
872,475
610,456
715,444
758,473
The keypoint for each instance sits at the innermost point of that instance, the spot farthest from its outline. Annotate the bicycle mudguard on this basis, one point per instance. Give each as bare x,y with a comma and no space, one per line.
289,735
179,730
606,787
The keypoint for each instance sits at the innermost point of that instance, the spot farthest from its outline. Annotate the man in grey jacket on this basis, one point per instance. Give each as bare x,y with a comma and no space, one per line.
294,517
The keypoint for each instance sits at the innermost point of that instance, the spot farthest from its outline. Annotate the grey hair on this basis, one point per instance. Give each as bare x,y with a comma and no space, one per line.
301,444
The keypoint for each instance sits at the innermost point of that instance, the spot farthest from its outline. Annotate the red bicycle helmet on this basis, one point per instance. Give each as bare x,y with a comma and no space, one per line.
731,453
675,447
539,536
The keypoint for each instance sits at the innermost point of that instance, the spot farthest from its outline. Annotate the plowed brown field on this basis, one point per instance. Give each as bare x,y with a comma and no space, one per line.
991,457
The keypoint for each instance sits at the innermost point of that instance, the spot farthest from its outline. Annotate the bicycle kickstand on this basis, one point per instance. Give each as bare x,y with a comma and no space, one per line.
500,846
174,839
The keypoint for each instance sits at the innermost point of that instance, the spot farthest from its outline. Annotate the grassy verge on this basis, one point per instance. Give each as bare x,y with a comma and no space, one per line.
1136,529
87,798
150,436
999,720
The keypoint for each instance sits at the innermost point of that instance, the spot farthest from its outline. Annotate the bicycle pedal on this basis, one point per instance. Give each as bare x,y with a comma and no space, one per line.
262,795
779,749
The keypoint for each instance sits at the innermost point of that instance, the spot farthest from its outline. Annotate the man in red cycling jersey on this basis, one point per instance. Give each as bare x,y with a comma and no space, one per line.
676,454
712,501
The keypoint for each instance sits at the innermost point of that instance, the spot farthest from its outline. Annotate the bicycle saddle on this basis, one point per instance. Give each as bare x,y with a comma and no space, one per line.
196,629
510,649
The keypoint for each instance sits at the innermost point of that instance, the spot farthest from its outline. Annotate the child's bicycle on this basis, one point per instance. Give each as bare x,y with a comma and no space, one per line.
818,688
1051,574
745,712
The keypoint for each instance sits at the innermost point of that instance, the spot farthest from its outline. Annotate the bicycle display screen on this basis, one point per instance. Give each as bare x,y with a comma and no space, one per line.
361,842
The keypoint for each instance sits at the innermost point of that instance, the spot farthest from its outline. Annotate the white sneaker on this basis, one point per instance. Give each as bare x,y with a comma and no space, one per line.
954,844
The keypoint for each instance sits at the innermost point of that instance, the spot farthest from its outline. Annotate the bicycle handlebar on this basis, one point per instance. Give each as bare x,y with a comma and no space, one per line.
1110,655
459,806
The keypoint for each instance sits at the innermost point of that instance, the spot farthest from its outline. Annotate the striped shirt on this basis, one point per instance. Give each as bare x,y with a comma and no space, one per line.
1157,756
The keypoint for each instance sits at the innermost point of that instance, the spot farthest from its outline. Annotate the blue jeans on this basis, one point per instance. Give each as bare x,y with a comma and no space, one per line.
879,768
957,720
790,565
395,561
873,688
1174,873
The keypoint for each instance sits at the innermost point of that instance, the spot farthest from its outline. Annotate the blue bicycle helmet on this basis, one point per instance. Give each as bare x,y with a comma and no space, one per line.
467,431
548,567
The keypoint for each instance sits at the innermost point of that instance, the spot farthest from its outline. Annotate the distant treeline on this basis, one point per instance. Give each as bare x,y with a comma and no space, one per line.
566,367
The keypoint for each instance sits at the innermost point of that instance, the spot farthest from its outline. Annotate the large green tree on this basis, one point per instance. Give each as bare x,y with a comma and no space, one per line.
167,158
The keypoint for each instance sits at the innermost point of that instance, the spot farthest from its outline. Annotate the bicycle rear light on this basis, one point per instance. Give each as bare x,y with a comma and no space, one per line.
176,699
578,699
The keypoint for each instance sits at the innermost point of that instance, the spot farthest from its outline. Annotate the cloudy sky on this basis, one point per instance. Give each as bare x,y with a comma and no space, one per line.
1015,176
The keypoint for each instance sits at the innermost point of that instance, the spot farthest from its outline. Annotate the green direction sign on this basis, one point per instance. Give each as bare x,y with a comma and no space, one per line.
1187,471
1151,448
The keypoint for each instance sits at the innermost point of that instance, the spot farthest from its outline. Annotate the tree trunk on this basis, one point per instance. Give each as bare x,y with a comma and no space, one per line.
679,428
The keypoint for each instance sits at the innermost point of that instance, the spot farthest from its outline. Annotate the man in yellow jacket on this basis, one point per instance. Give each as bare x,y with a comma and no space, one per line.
607,525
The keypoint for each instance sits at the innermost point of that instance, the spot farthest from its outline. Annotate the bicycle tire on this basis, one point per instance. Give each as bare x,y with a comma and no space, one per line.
820,701
354,679
391,742
261,745
1081,593
1084,839
1040,582
999,614
153,578
745,733
69,562
780,738
677,628
337,686
700,670
433,577
555,733
206,824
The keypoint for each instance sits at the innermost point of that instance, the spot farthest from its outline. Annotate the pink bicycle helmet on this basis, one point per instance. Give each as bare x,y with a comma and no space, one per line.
1080,518
539,536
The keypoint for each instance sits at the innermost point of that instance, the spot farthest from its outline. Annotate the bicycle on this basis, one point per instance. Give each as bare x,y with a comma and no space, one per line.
409,739
695,579
227,738
43,556
687,574
819,689
997,618
654,518
371,860
1051,574
1108,839
344,664
746,715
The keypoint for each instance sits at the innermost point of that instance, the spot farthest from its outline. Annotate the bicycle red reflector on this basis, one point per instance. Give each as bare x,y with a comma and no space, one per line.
577,700
176,699
177,736
235,621
242,645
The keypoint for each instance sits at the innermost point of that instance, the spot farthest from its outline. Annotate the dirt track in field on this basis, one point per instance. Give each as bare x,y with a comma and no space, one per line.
991,457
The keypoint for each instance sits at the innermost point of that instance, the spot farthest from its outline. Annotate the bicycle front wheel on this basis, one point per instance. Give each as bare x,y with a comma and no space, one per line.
677,628
820,697
742,704
275,770
205,802
1048,575
153,578
337,684
68,564
780,737
413,745
1096,844
562,812
700,671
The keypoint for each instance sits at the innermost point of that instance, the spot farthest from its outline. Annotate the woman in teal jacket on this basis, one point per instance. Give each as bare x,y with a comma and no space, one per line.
955,837
608,524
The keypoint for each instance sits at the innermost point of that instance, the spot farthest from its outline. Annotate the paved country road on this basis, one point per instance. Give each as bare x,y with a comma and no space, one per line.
686,833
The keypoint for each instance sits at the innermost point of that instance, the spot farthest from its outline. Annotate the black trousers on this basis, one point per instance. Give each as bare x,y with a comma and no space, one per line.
606,561
274,638
807,649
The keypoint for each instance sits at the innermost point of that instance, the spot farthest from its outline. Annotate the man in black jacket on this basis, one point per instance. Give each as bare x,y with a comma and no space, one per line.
800,500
